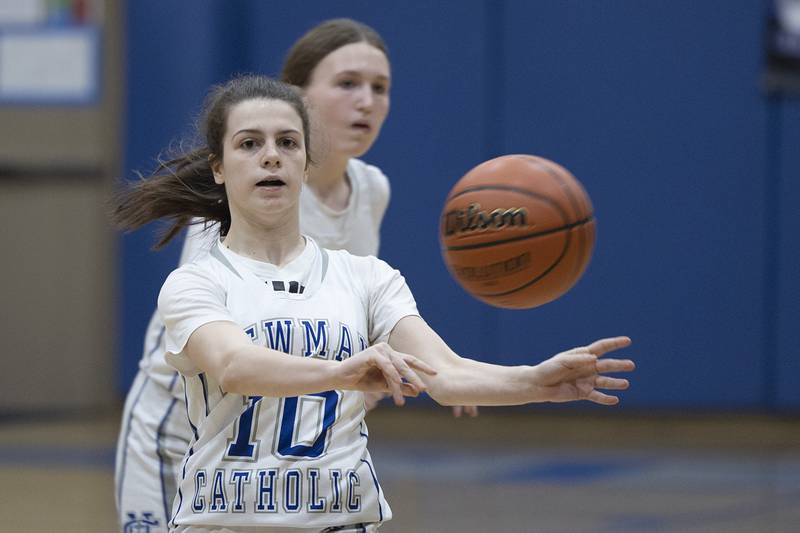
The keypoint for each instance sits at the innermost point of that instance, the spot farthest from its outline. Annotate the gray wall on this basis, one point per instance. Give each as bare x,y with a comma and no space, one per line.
57,165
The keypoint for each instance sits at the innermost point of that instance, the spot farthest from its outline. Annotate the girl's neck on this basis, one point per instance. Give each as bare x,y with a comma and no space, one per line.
277,245
329,182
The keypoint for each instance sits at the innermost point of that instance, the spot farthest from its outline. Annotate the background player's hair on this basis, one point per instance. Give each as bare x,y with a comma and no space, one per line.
183,188
321,40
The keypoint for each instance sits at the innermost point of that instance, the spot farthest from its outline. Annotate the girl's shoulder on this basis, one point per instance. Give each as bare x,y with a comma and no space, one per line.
365,269
367,175
206,269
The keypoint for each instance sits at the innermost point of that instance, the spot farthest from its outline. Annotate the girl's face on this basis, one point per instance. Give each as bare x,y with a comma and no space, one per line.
264,160
349,97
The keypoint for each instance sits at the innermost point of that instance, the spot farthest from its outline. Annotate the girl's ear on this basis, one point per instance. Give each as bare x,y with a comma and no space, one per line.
216,167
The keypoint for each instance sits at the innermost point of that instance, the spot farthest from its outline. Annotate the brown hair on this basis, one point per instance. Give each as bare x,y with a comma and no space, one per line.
320,41
183,187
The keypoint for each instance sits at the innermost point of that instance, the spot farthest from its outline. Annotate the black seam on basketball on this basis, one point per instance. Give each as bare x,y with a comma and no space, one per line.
581,251
502,188
585,252
537,278
554,172
520,237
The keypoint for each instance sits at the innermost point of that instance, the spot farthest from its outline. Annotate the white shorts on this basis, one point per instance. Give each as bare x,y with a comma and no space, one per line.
153,439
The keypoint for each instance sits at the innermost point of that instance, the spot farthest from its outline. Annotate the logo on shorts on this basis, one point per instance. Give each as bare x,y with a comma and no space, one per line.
139,525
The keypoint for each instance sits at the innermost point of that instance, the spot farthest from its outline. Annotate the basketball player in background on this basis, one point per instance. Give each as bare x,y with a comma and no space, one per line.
343,68
277,338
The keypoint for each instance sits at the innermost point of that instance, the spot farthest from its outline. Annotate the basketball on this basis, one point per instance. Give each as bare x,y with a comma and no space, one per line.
517,231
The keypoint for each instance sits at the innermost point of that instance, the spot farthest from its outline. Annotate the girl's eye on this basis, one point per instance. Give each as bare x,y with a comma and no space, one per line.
288,142
248,144
347,84
380,88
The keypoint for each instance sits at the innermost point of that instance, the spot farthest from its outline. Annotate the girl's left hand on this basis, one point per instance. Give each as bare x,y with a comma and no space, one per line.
578,373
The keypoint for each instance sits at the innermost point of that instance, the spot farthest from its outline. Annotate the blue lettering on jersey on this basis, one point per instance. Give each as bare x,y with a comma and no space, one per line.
353,499
292,486
219,499
266,488
315,338
315,503
336,479
245,445
362,343
345,348
287,427
293,490
279,334
252,332
199,503
239,478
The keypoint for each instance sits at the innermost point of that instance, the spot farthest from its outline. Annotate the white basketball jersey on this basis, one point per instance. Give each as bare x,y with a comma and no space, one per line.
284,462
356,229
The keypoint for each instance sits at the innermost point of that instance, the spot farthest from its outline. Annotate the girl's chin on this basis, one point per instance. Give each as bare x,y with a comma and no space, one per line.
355,149
271,206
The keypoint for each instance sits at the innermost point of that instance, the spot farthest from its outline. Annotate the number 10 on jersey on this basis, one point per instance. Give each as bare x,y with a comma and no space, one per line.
304,421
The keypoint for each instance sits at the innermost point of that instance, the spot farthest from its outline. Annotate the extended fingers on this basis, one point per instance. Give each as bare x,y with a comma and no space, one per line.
471,410
605,382
418,364
603,346
402,365
608,383
400,370
604,366
582,365
601,398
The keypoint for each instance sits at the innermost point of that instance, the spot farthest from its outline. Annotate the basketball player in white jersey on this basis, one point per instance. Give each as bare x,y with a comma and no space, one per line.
277,339
343,67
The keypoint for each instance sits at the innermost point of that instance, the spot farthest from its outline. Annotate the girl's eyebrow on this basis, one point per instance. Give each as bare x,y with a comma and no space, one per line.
247,130
359,73
257,131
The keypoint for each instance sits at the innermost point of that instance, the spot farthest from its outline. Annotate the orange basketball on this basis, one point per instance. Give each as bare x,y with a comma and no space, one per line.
517,231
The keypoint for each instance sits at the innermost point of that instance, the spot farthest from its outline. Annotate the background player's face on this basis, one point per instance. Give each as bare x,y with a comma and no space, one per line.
349,97
264,160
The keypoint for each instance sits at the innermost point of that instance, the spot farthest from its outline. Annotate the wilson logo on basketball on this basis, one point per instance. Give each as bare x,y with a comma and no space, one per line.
474,219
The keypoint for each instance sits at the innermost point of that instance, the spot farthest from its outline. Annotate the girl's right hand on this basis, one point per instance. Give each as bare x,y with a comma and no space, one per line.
379,368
